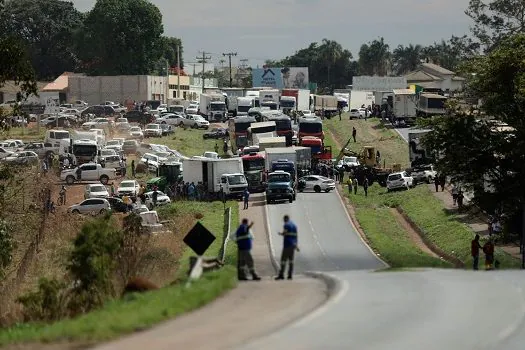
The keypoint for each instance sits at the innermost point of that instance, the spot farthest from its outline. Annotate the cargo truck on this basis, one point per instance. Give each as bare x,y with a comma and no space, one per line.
213,107
220,175
244,104
232,95
271,142
404,107
301,98
325,104
269,98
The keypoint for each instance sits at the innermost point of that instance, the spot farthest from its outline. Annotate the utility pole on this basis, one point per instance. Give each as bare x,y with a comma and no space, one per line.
178,72
230,54
167,82
203,59
193,64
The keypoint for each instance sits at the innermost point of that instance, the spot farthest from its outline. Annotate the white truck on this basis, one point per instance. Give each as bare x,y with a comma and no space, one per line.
232,95
279,154
213,107
270,98
359,99
404,107
271,142
89,172
244,104
225,174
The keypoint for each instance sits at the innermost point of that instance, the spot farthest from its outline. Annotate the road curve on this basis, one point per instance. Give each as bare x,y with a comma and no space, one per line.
432,309
327,239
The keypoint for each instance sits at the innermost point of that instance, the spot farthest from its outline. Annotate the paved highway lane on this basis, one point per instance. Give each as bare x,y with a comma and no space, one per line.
327,240
433,310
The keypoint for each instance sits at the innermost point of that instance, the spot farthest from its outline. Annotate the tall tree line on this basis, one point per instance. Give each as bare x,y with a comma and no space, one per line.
115,37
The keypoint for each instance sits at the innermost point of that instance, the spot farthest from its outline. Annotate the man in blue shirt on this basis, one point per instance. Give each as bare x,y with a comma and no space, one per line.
244,238
246,197
289,247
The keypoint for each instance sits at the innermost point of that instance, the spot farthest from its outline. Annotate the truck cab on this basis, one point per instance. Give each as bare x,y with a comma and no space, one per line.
233,185
280,186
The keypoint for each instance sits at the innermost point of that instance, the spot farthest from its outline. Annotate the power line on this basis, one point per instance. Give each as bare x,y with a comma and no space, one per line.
230,54
203,59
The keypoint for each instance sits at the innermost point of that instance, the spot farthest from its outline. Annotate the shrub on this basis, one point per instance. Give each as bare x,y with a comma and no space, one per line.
47,303
6,246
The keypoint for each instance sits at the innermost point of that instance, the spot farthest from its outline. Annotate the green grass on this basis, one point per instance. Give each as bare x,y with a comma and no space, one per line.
189,142
419,204
25,134
140,311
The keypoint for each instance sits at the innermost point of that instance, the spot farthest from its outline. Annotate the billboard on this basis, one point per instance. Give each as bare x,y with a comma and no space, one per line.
368,83
281,78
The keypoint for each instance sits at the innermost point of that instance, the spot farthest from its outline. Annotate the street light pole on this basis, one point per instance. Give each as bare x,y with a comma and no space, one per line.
230,54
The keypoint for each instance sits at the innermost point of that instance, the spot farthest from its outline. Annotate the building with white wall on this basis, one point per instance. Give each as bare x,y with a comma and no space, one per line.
432,76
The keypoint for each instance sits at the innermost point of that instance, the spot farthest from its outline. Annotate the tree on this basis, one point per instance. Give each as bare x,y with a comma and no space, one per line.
475,152
169,50
121,37
329,52
494,20
406,58
450,54
47,29
374,58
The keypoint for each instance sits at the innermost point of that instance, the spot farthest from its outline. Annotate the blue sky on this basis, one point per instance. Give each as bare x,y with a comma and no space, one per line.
272,29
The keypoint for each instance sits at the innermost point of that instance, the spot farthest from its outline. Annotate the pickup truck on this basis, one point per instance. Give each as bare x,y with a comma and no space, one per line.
43,149
423,173
88,172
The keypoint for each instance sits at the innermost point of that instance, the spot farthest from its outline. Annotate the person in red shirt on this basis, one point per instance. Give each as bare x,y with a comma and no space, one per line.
474,249
488,249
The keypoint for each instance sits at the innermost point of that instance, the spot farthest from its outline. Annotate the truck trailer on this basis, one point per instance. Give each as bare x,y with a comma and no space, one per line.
213,107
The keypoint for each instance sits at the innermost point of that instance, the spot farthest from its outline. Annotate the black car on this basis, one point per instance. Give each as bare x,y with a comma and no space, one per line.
216,133
99,111
118,205
139,117
166,129
63,122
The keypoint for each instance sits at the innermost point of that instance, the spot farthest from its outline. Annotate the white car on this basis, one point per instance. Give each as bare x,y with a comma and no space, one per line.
162,108
399,180
162,199
95,191
362,112
71,111
128,188
192,109
96,123
152,130
211,155
354,114
91,205
316,183
350,161
174,119
114,145
4,152
196,121
153,161
135,132
306,113
25,157
107,152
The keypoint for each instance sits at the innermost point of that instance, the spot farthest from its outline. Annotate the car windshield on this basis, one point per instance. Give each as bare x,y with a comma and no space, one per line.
135,129
113,143
122,120
129,143
236,179
279,178
127,184
152,126
98,188
394,177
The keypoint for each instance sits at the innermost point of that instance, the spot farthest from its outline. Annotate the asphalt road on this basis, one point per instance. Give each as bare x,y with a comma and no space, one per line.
434,309
327,240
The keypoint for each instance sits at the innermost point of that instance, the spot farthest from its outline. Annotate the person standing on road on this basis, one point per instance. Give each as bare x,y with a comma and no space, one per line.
289,247
365,186
133,168
354,133
244,238
474,249
246,197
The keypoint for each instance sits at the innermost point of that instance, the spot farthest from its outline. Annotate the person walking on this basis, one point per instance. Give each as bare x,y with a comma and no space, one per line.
133,168
349,182
244,237
474,250
289,247
354,133
365,186
216,148
488,249
340,112
436,183
246,197
354,181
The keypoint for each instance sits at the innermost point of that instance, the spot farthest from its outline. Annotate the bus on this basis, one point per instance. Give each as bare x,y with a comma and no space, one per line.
238,130
283,126
310,127
254,170
268,128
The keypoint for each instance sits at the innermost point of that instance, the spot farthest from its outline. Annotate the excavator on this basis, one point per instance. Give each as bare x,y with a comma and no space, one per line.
369,165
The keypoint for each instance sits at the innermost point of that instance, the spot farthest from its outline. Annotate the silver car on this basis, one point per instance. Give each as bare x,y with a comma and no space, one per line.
90,206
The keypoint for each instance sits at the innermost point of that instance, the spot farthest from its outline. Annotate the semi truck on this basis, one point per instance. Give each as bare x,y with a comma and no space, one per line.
270,98
232,95
417,153
404,107
326,104
213,107
220,175
271,142
255,94
359,99
244,104
300,98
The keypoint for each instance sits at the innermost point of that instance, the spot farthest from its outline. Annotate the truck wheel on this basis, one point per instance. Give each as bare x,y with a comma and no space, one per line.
70,180
76,211
104,179
317,188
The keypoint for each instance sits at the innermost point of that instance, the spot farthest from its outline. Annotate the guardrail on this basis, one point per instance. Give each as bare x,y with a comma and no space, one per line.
199,264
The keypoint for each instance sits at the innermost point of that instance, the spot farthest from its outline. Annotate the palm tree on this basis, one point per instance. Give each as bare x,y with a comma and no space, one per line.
406,58
330,52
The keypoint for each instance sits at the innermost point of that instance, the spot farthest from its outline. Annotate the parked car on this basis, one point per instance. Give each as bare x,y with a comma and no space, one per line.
162,199
130,146
193,108
98,111
96,123
399,180
95,191
4,152
307,113
196,121
22,158
128,188
139,117
216,133
354,113
92,205
423,173
43,149
167,129
88,172
117,205
136,132
152,160
350,162
174,119
152,130
316,183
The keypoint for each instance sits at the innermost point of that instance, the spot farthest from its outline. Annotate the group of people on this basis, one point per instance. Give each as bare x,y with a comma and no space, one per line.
244,238
488,250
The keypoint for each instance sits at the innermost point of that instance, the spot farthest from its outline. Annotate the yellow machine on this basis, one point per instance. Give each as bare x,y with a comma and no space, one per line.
367,157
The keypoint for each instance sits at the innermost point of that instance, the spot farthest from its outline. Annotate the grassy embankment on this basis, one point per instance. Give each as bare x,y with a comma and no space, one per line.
385,234
140,311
